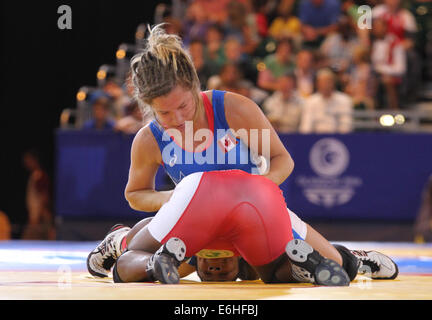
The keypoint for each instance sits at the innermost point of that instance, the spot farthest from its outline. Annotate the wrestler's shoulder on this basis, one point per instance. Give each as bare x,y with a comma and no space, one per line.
240,110
145,140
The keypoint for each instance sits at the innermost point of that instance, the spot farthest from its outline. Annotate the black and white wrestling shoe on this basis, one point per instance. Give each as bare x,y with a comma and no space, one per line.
102,258
310,266
163,264
376,265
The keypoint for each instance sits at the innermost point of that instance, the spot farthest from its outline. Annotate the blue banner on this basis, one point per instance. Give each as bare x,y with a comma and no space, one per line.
374,176
357,176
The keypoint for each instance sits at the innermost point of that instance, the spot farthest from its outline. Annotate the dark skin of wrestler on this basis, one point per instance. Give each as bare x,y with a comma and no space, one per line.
141,245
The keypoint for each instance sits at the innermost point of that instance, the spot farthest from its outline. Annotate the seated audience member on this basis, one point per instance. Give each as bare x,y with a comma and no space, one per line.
359,81
337,48
402,24
388,60
133,121
318,19
101,120
327,110
214,47
276,65
204,72
237,26
231,79
305,73
286,24
233,53
258,18
284,107
196,23
118,97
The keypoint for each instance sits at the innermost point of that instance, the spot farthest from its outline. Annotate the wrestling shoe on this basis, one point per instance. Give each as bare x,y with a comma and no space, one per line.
162,265
103,257
310,266
376,265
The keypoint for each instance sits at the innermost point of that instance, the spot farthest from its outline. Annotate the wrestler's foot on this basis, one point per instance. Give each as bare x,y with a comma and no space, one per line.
376,265
162,266
315,267
102,258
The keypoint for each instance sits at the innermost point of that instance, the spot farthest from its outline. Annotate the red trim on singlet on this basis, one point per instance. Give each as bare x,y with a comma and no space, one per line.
209,111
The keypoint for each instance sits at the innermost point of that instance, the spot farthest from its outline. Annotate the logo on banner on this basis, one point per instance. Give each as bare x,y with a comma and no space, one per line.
329,158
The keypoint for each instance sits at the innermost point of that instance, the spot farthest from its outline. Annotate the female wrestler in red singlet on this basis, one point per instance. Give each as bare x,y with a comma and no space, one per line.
223,210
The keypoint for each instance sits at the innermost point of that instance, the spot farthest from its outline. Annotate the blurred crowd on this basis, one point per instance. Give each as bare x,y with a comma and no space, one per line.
307,63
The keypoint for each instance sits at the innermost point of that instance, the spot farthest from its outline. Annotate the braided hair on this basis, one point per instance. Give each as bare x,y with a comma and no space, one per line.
160,67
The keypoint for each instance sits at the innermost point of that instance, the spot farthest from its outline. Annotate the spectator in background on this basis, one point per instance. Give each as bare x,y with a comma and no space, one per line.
196,24
286,24
237,26
388,59
402,25
400,22
284,107
318,18
216,10
231,79
133,121
350,9
337,47
257,18
196,51
233,53
276,65
40,224
214,47
328,110
100,102
359,81
305,73
117,96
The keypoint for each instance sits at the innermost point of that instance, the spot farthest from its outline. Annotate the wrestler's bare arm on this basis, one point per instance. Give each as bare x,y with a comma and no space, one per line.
243,113
145,160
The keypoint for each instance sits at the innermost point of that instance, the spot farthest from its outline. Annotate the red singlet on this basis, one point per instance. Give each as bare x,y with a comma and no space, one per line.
228,210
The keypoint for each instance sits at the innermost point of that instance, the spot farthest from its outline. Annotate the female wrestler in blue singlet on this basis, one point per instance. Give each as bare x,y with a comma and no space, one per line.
166,84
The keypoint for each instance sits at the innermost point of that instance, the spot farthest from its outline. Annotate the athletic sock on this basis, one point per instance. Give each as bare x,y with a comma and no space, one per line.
349,261
123,244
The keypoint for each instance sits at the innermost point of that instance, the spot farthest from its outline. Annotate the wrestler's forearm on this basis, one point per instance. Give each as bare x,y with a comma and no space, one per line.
147,200
280,168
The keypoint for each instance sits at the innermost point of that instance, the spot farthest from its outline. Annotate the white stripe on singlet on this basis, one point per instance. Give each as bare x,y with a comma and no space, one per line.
298,225
168,215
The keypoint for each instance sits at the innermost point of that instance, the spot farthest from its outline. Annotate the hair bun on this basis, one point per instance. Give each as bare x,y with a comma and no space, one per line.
164,46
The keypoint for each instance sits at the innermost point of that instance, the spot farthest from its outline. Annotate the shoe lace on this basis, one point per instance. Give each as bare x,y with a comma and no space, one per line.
109,253
367,262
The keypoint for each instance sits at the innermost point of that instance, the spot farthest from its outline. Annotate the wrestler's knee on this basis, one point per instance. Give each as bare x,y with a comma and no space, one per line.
115,272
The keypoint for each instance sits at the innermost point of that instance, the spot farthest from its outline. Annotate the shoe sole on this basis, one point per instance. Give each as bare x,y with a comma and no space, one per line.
176,248
91,271
165,268
326,272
